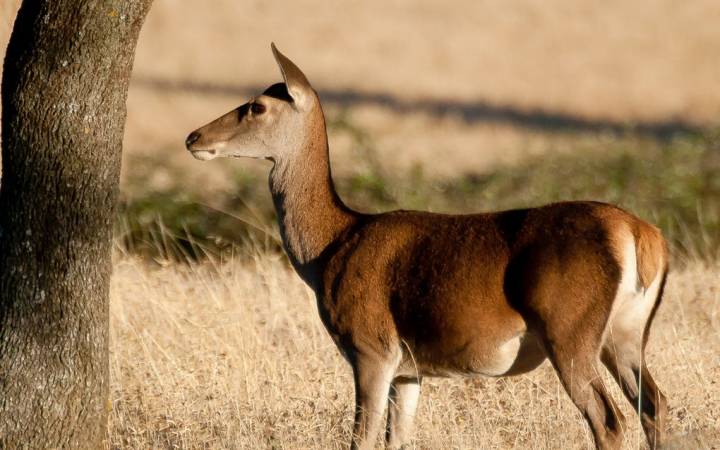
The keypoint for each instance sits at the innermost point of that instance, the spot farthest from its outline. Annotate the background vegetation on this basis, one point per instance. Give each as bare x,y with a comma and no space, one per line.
674,183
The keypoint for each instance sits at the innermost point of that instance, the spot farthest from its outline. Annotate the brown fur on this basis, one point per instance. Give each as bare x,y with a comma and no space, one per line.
408,294
651,251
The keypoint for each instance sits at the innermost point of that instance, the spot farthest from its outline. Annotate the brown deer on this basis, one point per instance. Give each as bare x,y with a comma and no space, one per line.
408,294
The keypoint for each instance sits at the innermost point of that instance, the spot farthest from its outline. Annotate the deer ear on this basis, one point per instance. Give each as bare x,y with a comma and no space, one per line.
297,85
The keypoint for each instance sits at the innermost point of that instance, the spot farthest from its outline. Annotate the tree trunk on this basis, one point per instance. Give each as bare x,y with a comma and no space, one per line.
64,87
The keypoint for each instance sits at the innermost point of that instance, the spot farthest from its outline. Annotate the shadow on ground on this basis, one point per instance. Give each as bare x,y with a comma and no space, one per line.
471,111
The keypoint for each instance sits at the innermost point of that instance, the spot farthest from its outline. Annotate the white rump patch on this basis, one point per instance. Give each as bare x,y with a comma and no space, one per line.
629,281
633,303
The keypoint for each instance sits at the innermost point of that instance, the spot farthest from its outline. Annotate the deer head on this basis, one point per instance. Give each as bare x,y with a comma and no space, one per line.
272,125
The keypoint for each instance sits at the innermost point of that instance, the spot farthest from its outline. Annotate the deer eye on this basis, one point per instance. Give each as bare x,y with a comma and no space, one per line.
257,108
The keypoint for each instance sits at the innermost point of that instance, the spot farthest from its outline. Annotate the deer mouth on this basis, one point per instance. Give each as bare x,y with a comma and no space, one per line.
204,155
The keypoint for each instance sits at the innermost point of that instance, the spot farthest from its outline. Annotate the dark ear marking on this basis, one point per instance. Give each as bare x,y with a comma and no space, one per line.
278,91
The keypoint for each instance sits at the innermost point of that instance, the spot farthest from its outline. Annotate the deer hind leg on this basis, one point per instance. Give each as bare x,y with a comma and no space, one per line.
404,395
580,376
630,372
623,355
568,307
373,376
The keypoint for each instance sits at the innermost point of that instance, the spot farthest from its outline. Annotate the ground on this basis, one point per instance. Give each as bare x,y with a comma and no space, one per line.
233,355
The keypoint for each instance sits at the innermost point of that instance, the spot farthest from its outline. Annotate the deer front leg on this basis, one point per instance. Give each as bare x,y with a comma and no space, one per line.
404,395
372,384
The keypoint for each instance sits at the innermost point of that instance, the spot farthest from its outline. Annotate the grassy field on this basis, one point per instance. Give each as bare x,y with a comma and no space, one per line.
232,354
217,343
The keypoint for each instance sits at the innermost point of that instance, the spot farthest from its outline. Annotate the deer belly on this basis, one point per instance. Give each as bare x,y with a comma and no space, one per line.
519,354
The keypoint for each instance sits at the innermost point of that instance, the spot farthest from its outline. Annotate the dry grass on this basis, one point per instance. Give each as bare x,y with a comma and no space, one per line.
233,355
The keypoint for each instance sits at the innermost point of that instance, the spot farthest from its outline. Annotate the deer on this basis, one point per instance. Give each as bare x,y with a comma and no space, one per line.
408,294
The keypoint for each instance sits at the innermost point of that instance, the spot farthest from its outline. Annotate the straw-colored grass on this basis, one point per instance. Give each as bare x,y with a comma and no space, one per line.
233,355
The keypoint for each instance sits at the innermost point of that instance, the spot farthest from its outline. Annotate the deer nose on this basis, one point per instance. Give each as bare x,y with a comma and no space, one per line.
194,136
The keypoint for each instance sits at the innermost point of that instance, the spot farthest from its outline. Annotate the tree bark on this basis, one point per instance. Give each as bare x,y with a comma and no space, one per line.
64,87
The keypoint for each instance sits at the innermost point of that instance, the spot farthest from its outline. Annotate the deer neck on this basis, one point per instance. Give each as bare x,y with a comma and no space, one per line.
310,213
